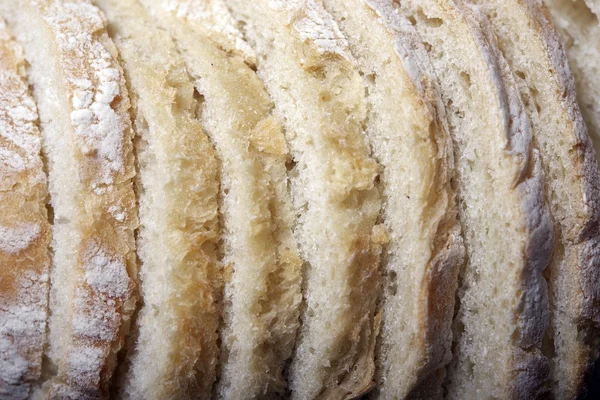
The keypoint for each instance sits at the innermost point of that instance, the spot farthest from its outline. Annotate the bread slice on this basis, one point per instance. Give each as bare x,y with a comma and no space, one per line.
502,311
83,103
579,29
533,50
174,350
410,139
314,81
263,292
24,229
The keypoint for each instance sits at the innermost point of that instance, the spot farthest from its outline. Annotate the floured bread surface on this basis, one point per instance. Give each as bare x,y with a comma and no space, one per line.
24,229
314,82
502,311
580,29
79,88
173,350
533,50
262,292
410,139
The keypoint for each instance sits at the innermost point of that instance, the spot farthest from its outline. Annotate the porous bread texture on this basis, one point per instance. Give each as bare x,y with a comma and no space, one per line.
410,139
502,311
24,229
263,289
579,28
174,349
311,76
533,49
82,100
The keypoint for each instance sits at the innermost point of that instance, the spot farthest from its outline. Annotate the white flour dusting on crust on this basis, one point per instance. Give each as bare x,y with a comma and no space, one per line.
91,69
18,238
315,25
24,258
214,17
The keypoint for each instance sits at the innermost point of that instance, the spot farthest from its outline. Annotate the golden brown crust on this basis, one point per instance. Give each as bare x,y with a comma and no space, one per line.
24,229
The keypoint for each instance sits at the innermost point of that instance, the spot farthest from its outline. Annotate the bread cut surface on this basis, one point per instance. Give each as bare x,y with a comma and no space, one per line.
262,293
502,311
314,82
536,55
411,141
579,29
24,229
83,103
173,350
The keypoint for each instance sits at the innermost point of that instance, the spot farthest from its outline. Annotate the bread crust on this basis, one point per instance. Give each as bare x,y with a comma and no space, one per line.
574,273
94,266
24,229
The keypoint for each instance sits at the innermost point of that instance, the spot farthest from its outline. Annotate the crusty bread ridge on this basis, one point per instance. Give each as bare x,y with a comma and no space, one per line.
263,291
536,55
173,351
83,103
313,80
579,28
24,230
410,139
508,234
594,5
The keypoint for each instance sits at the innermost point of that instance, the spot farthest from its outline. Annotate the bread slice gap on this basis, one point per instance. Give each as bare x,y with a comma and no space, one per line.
25,230
533,49
502,311
263,288
174,348
410,140
317,90
82,100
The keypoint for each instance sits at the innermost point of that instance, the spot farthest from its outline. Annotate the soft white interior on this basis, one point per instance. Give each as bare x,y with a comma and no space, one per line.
175,345
319,94
490,208
413,148
262,293
560,135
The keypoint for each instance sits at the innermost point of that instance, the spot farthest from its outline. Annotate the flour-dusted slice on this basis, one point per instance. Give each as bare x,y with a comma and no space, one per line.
82,100
24,229
174,349
263,292
533,50
502,312
410,139
317,90
579,29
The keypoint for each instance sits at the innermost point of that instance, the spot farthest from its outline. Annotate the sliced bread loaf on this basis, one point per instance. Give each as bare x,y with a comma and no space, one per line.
174,347
502,311
317,90
533,49
263,290
579,28
80,91
24,229
410,139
